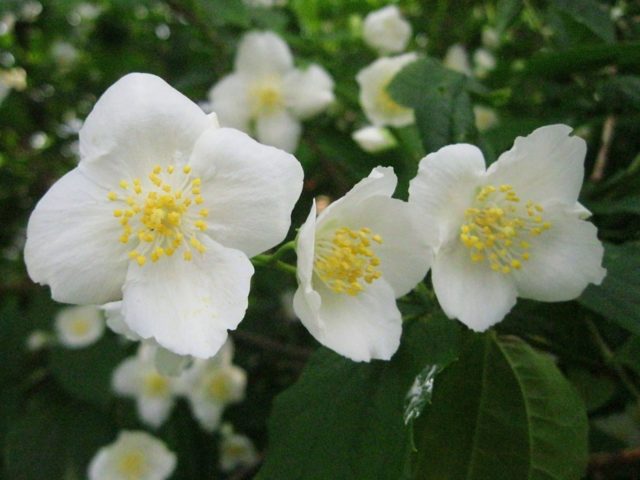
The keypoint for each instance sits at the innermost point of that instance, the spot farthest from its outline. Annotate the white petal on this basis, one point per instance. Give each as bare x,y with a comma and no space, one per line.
140,121
445,187
115,321
208,414
249,188
154,411
380,182
126,377
262,53
279,129
386,30
230,101
376,103
187,307
308,92
73,243
470,292
374,139
405,253
168,363
564,259
362,327
545,166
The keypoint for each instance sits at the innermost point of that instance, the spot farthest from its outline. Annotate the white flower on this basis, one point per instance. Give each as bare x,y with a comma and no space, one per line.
154,393
235,450
386,30
376,102
266,95
37,340
360,254
374,139
13,79
484,62
163,211
514,229
485,117
64,53
210,385
134,455
457,59
78,327
490,37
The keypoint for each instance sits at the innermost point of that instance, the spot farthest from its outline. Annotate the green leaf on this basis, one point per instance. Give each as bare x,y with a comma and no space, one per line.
506,12
86,372
629,354
621,92
618,298
502,410
344,419
595,390
591,14
440,100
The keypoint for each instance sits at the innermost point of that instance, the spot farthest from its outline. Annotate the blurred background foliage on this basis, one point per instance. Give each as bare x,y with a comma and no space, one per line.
569,61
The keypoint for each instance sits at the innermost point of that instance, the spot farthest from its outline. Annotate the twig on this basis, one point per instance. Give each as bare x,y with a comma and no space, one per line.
268,344
603,154
601,460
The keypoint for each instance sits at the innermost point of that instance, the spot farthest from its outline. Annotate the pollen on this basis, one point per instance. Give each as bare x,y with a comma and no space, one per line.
347,262
499,228
156,214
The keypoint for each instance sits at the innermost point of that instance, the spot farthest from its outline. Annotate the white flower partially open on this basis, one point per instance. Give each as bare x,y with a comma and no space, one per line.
134,455
376,102
163,211
79,327
374,139
514,229
386,30
236,450
266,95
360,254
210,385
138,378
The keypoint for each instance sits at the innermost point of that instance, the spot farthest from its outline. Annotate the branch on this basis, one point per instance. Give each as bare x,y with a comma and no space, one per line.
603,460
603,154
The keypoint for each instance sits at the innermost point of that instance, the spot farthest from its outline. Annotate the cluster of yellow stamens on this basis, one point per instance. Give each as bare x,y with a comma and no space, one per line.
133,465
161,216
266,96
156,385
497,228
347,259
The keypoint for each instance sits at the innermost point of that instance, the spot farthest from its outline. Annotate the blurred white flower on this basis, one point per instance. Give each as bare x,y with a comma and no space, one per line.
360,254
135,455
64,53
386,30
266,95
513,230
235,450
457,59
37,340
485,117
210,385
374,139
483,62
376,102
154,393
12,79
490,38
163,212
78,327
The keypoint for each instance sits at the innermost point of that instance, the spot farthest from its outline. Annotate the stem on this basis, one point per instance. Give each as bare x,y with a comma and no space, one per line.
273,260
603,153
609,358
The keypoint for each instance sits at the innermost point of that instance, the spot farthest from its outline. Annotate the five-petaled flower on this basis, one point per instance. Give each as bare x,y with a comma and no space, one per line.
514,229
360,254
266,95
386,30
163,211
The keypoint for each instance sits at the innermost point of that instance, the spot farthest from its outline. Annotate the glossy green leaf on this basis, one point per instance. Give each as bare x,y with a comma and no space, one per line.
502,410
440,101
344,419
618,298
590,13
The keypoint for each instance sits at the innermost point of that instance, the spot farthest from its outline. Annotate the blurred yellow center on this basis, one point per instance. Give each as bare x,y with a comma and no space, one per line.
347,260
266,96
387,104
498,228
162,215
132,465
220,387
80,327
155,385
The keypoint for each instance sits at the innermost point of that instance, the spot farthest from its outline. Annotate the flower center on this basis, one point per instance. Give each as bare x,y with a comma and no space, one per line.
159,216
133,465
220,387
155,385
388,104
497,228
344,261
80,327
266,96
